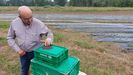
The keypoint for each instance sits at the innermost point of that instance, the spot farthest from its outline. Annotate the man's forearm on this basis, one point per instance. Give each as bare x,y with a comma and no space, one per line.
12,44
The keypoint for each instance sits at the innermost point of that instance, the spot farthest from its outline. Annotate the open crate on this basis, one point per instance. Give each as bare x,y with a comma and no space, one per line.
52,56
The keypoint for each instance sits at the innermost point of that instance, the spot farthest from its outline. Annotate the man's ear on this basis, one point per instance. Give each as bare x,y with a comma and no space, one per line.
19,16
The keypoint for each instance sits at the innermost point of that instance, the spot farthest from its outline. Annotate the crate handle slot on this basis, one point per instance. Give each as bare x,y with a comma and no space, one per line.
47,47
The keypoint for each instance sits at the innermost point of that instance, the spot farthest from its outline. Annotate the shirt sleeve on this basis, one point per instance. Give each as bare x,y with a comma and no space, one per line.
11,39
47,32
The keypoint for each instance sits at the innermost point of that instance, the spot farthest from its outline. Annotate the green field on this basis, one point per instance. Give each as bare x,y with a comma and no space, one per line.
96,58
66,9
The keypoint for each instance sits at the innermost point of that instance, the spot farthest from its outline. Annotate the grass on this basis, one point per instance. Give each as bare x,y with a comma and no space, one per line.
130,45
95,71
8,58
4,25
9,62
95,58
3,40
84,44
58,37
67,9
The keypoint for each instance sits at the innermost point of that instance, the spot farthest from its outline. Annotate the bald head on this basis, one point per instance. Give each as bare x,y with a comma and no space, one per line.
24,11
25,14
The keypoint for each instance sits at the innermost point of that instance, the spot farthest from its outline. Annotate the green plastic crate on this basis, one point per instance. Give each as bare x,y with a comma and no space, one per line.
52,56
68,67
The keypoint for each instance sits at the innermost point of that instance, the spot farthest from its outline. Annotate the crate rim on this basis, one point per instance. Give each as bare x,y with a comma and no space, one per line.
66,49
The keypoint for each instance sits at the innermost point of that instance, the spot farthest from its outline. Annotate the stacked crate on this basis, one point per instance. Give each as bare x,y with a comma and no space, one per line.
54,61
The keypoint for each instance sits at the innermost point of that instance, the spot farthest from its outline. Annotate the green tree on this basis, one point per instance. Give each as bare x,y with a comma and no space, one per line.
2,2
60,2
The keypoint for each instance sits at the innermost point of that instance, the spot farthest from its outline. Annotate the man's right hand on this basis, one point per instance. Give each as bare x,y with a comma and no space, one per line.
21,52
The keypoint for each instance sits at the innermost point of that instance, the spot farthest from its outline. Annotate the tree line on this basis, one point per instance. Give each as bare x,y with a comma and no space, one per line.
79,3
33,2
102,3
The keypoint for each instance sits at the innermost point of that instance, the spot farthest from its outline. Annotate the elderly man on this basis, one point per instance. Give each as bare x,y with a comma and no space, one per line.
25,34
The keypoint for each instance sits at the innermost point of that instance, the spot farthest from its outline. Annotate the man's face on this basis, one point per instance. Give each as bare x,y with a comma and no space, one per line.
27,20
